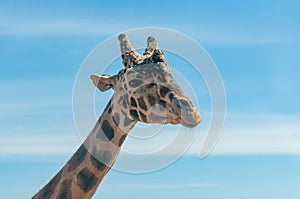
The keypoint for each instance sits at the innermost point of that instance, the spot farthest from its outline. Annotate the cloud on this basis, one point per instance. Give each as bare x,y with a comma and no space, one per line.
155,186
245,140
244,133
234,35
18,102
38,145
259,140
78,27
276,138
59,27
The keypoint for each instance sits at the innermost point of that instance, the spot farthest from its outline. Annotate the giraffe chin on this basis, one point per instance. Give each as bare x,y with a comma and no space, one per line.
191,122
189,125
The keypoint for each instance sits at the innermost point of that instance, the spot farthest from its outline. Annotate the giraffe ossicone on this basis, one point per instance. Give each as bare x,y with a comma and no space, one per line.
144,91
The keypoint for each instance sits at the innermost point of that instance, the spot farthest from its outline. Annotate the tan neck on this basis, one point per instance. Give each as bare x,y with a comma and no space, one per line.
82,174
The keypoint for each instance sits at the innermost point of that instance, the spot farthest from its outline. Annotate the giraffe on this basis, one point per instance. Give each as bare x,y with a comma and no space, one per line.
144,91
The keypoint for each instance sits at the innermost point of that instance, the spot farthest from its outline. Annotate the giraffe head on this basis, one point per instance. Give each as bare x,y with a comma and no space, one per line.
145,90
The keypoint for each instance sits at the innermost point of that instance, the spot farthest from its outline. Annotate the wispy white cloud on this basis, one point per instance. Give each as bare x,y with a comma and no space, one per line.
259,140
60,27
18,102
246,140
155,186
38,145
277,138
234,35
78,27
244,133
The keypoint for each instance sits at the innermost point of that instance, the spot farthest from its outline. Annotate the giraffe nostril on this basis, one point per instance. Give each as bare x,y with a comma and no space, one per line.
184,102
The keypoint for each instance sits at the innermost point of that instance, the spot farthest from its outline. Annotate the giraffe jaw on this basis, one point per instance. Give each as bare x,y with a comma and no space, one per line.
191,122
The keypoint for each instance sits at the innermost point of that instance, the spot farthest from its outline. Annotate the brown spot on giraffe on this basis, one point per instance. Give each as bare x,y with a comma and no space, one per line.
135,82
142,103
133,102
107,130
143,117
86,180
163,91
134,114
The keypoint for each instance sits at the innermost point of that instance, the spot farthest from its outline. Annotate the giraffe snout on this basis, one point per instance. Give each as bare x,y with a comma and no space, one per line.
192,120
189,115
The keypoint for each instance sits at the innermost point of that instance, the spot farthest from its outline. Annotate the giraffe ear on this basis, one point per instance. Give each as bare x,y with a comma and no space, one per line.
103,82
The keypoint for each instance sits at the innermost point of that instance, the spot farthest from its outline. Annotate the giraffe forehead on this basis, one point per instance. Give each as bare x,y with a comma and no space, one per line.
149,72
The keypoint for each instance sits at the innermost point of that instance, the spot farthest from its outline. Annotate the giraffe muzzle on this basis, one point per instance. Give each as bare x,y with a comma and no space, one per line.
189,115
191,121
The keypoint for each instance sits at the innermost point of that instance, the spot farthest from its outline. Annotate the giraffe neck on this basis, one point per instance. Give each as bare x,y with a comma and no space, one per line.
82,174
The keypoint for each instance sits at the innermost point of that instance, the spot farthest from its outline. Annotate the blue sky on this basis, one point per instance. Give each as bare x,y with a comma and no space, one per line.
255,46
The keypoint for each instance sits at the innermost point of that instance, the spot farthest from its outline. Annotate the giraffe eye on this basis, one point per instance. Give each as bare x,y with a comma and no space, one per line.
171,96
151,85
